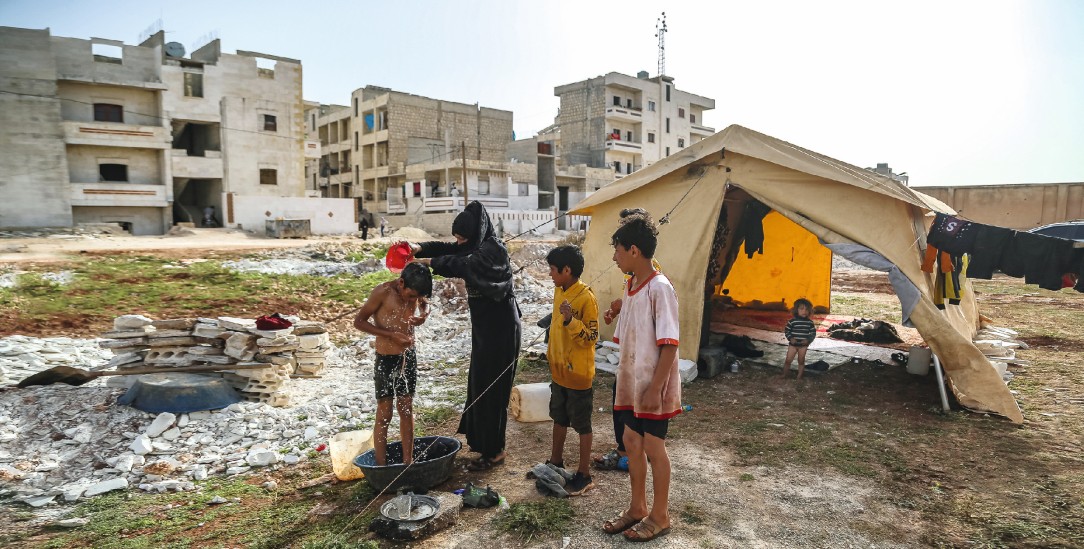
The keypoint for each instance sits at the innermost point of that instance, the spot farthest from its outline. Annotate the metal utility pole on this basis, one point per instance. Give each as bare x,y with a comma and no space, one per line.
447,161
463,152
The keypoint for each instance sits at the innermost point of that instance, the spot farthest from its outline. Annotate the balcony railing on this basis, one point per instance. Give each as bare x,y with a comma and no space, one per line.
113,134
623,145
701,130
624,113
118,194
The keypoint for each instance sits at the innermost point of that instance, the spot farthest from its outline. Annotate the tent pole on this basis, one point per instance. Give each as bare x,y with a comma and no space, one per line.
940,383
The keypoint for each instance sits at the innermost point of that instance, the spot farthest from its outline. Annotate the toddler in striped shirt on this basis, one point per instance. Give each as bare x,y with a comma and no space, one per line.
800,332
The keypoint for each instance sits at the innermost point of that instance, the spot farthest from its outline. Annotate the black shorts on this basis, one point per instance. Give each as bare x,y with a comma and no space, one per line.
654,427
799,343
395,375
572,407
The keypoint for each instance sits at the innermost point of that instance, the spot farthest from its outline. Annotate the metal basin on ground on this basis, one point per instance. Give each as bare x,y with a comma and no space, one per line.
433,461
179,393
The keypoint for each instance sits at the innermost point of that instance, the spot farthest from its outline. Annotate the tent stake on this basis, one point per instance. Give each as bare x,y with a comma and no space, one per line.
940,383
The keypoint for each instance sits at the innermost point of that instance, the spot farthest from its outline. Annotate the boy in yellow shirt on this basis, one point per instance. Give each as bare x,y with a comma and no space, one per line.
573,333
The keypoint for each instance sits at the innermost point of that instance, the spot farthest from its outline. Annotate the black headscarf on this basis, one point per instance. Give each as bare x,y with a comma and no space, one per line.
473,224
482,261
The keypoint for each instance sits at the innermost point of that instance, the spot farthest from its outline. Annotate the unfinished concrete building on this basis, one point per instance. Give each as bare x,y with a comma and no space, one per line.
409,152
331,172
627,123
560,185
97,131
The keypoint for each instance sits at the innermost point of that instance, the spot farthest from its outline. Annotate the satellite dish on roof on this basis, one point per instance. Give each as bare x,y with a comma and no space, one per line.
174,49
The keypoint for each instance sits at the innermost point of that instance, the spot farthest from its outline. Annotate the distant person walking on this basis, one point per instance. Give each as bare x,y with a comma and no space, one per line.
383,225
209,217
364,226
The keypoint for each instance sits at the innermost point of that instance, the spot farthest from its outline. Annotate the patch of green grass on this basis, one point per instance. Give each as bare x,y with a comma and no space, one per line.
533,519
437,415
693,514
746,477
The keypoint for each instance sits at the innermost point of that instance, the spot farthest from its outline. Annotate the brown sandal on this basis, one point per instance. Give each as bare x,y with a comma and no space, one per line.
620,523
645,530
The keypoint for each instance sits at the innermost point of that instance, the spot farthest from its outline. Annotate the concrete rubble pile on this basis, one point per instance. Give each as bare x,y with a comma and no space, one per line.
61,443
300,350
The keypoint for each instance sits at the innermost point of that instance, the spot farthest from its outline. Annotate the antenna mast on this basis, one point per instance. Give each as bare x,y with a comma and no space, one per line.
660,33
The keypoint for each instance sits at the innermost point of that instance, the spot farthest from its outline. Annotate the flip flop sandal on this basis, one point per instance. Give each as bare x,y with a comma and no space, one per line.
484,464
645,530
619,524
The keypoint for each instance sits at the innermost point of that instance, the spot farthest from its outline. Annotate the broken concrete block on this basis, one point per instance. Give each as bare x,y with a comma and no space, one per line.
74,522
168,356
169,333
130,322
181,341
106,486
205,350
272,334
686,370
241,346
129,343
236,324
314,341
276,341
446,516
261,458
128,334
207,330
122,358
307,327
164,421
39,501
141,445
174,324
171,434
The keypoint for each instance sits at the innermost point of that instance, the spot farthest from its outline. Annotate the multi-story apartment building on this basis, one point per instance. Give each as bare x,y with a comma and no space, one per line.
626,122
99,131
398,153
330,172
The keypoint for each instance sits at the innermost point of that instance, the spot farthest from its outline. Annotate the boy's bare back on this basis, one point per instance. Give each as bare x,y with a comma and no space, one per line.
390,312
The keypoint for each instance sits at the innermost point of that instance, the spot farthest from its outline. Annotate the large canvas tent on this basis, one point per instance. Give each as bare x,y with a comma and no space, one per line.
870,218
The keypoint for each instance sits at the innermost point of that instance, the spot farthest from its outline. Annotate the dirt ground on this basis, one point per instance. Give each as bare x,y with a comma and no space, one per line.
859,457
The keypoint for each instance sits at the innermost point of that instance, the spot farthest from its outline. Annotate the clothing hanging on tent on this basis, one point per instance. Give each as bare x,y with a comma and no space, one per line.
1038,259
752,227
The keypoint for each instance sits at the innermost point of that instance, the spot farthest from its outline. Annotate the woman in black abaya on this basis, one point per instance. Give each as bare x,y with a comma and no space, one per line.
481,260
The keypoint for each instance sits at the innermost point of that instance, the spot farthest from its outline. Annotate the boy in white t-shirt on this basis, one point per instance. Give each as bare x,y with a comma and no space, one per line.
648,387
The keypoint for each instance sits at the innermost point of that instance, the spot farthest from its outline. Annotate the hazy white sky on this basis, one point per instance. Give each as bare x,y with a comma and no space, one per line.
951,92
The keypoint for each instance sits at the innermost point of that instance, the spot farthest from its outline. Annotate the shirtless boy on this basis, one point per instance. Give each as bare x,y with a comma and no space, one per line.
391,307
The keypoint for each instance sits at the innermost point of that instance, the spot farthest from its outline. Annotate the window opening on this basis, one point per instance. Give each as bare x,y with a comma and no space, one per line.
269,176
617,101
105,112
650,138
681,112
113,172
107,53
270,123
193,84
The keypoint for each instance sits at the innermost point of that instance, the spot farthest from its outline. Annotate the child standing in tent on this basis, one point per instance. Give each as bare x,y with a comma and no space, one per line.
800,332
648,386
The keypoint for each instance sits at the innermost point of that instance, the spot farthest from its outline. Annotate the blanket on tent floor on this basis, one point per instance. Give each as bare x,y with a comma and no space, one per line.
775,321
